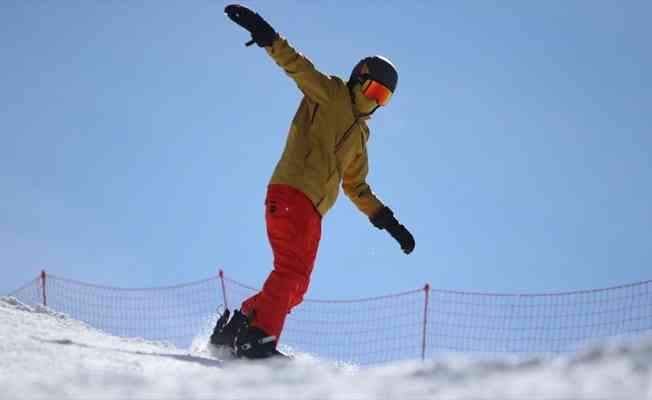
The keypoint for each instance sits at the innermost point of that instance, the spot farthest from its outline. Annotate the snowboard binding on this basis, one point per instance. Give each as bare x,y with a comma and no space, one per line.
226,330
243,340
254,343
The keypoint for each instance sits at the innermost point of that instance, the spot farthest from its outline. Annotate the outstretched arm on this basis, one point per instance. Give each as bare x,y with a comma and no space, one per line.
310,81
355,186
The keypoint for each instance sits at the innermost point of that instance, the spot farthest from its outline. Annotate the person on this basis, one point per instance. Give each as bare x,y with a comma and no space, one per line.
326,147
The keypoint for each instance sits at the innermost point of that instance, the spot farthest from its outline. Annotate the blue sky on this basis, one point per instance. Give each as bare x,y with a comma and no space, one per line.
137,139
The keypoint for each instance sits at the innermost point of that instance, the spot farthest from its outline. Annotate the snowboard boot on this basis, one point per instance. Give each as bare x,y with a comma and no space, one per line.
254,343
225,333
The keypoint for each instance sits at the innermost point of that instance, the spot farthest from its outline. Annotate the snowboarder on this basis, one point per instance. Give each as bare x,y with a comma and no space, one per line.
326,147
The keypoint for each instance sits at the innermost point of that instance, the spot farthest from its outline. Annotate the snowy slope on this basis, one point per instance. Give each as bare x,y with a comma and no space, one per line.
44,354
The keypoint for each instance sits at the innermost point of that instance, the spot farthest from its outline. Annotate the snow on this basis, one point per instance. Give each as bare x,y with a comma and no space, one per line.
48,355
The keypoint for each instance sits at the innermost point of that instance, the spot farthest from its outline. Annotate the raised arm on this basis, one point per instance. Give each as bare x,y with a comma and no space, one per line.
310,81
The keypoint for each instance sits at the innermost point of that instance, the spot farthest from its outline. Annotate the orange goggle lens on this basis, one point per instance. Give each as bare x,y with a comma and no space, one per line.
376,91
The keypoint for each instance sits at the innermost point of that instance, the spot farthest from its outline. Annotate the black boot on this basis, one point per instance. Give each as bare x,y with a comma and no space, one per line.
225,333
254,343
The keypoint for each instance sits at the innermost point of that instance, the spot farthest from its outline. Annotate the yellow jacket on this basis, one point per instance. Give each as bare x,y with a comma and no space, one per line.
327,141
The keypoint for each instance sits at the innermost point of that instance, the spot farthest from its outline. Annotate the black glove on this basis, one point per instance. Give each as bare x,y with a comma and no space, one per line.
384,219
262,33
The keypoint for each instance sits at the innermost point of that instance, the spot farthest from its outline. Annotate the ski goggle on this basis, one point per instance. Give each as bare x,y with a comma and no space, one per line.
375,90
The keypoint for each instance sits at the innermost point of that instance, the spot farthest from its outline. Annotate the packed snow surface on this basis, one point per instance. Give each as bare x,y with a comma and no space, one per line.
47,355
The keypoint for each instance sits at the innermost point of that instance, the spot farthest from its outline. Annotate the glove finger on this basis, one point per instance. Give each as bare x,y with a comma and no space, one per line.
240,15
232,11
406,240
236,10
408,247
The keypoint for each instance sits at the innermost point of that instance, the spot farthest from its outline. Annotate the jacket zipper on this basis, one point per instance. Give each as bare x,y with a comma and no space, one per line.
314,114
339,143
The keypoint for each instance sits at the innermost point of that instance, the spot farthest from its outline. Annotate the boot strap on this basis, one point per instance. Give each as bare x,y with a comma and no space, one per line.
265,340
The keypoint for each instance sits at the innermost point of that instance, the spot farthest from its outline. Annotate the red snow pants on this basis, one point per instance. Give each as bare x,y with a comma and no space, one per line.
294,231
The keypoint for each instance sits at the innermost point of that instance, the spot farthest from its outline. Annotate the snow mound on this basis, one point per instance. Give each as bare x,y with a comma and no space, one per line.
47,355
